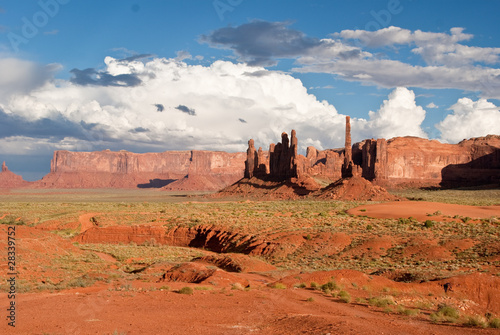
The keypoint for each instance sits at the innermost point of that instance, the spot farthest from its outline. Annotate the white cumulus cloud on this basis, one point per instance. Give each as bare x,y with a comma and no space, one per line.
121,116
470,119
399,115
432,105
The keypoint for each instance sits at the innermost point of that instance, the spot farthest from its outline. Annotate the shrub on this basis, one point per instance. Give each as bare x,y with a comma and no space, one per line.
445,313
494,323
331,286
310,299
428,224
407,311
344,296
280,286
475,321
186,290
381,301
411,312
12,221
449,312
314,285
206,288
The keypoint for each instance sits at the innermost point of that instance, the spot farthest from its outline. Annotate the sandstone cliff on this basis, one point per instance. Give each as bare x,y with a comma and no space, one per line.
123,169
9,179
398,162
417,162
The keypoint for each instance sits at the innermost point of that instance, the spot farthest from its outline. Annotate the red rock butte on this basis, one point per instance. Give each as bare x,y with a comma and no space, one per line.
9,179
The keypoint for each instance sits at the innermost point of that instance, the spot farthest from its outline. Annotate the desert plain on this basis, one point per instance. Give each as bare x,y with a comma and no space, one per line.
145,261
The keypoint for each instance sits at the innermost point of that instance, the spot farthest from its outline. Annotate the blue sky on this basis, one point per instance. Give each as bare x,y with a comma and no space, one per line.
91,75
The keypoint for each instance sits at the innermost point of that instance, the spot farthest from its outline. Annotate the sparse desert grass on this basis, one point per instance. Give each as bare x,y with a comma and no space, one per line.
330,286
279,286
407,311
148,254
344,296
381,301
476,321
12,220
263,218
464,196
207,288
186,290
446,313
494,323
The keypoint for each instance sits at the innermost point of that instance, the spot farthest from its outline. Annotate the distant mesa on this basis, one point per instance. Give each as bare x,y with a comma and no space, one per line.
9,179
170,170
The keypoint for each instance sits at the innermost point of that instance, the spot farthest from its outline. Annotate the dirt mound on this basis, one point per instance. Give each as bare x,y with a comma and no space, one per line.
270,188
189,273
201,182
198,273
354,188
237,263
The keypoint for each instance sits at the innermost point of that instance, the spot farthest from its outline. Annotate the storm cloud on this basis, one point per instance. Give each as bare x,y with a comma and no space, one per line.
186,109
91,76
159,107
258,42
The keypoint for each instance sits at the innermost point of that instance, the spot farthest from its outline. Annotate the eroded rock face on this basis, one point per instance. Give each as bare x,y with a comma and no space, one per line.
9,179
282,163
123,169
412,161
398,162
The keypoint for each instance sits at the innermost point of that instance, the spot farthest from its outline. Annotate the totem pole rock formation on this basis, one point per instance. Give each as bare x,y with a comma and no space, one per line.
283,159
4,167
261,163
347,166
252,160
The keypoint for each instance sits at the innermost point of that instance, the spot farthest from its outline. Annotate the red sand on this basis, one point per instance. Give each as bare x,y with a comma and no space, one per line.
420,210
264,311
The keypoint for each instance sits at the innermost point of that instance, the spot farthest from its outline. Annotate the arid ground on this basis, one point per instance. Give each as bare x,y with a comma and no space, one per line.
152,262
